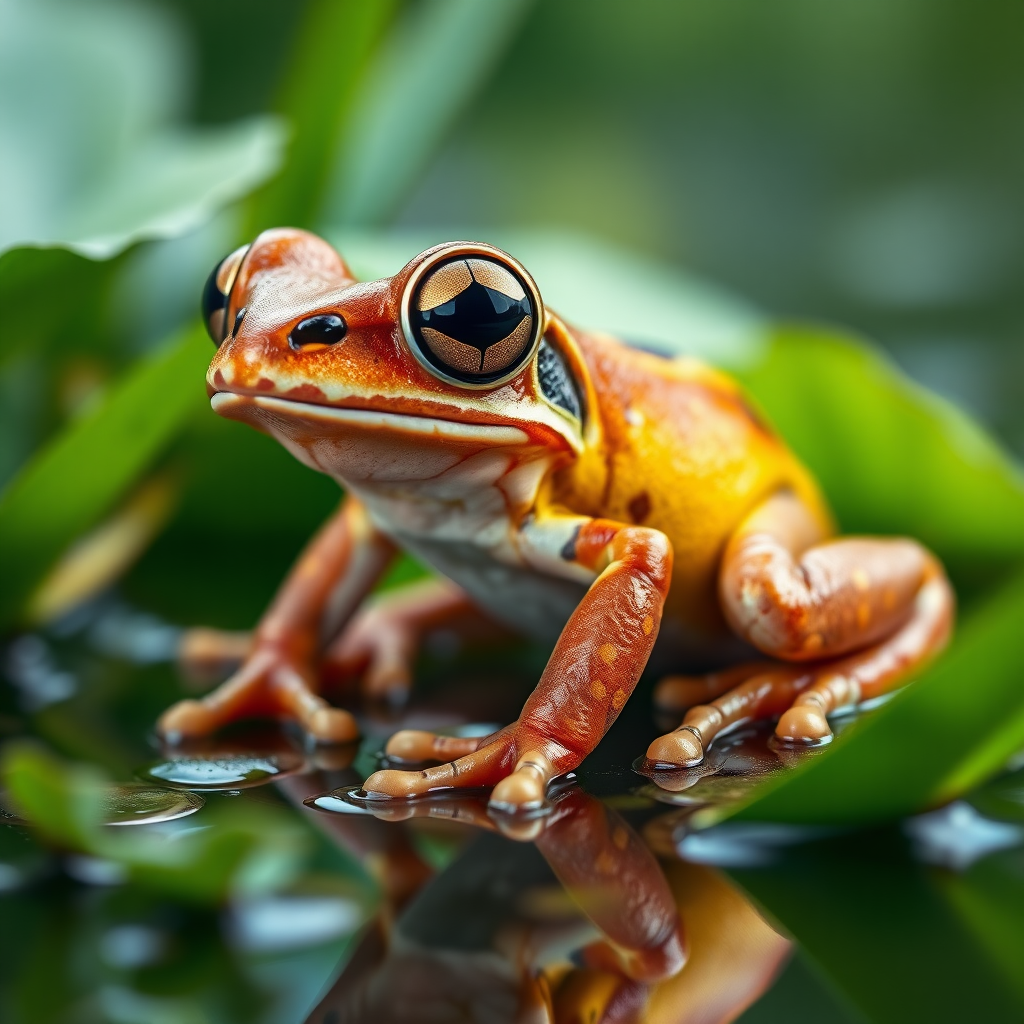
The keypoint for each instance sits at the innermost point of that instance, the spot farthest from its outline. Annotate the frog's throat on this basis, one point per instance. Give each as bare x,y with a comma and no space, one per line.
262,411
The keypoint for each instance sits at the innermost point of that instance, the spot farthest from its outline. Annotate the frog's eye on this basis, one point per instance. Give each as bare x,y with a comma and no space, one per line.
217,294
472,315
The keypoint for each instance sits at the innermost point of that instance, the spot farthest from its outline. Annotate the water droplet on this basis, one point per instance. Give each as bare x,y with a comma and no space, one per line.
241,771
137,804
347,800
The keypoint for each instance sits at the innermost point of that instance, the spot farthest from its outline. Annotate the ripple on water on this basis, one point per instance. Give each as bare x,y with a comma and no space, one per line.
218,773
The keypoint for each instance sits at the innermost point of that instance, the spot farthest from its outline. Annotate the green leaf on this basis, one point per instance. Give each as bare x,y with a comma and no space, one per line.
891,456
941,736
439,55
241,850
883,932
65,805
316,97
78,477
92,160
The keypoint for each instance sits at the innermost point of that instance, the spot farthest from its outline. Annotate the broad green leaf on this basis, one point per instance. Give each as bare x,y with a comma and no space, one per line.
72,482
883,932
891,456
440,54
317,97
92,161
944,734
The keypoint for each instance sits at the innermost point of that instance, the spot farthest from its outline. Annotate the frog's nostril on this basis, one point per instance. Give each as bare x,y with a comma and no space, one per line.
325,329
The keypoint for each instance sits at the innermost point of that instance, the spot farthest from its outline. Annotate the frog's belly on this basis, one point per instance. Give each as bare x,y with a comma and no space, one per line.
516,596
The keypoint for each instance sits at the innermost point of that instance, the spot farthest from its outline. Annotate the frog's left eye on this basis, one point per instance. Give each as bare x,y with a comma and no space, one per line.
472,315
217,294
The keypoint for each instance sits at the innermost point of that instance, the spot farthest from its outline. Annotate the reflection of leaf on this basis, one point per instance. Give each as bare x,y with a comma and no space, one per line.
71,483
883,933
891,456
252,848
425,75
941,736
990,900
87,93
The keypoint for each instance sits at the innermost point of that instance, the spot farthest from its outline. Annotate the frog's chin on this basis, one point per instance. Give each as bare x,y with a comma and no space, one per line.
356,445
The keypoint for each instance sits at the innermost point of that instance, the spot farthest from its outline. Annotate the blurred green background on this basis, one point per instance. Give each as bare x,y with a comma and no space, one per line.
824,198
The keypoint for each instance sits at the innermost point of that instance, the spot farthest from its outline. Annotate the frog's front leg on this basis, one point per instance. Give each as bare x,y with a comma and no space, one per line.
592,671
853,617
278,678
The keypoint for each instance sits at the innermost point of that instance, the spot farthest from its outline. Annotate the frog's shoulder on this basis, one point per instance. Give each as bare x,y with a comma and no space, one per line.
617,365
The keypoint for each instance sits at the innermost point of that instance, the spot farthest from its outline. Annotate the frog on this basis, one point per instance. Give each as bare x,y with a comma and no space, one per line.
561,483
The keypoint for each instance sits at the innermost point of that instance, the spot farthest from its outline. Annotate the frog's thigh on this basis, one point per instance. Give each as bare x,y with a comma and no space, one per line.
832,592
591,673
798,597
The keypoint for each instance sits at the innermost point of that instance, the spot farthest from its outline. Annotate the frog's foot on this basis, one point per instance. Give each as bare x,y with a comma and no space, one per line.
519,781
380,644
268,685
804,695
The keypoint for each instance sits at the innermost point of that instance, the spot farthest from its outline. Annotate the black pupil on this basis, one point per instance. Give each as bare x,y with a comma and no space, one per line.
477,316
325,329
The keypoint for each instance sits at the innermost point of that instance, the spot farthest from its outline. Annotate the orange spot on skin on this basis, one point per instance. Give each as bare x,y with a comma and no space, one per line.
620,838
888,599
814,642
647,625
307,393
618,699
608,653
640,507
265,384
863,615
598,690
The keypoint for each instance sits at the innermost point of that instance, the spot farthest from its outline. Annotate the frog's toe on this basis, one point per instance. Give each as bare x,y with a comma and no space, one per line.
332,725
187,719
417,745
680,749
803,723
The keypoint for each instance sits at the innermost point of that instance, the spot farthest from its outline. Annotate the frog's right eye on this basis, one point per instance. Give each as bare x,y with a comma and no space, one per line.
217,294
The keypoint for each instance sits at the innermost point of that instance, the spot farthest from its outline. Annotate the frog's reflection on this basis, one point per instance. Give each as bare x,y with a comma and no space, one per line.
580,924
567,917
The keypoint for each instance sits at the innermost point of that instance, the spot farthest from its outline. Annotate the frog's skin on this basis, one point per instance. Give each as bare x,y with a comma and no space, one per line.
667,506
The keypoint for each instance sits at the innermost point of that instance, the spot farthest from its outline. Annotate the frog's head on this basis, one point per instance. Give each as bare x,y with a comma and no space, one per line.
391,380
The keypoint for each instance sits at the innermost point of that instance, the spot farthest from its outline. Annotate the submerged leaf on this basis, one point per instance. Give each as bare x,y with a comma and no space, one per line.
71,483
248,850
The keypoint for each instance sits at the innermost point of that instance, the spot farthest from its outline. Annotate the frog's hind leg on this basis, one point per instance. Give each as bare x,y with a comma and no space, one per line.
379,646
854,618
680,693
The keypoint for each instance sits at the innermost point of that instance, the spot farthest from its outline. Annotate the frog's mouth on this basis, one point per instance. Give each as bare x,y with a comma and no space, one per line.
356,445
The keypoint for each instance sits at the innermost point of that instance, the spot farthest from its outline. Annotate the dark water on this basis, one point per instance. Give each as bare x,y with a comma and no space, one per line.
608,907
